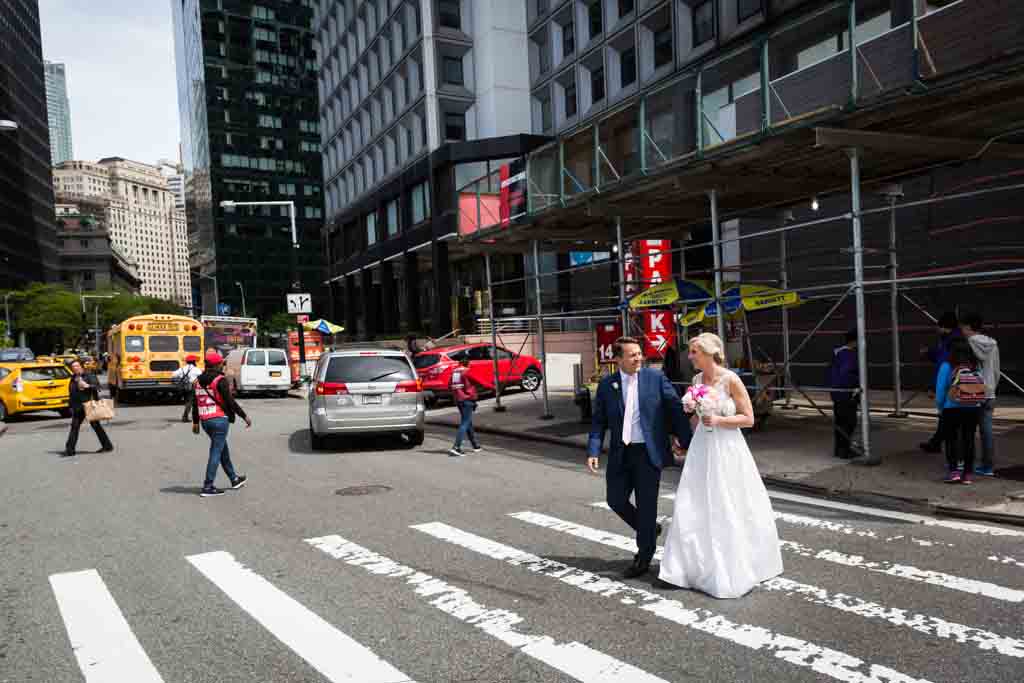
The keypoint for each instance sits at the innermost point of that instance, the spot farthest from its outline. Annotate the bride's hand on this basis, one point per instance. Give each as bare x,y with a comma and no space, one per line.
711,420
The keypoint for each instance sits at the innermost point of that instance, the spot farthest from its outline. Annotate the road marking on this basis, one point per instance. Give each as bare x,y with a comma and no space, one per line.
1005,559
332,653
103,642
573,659
986,641
825,661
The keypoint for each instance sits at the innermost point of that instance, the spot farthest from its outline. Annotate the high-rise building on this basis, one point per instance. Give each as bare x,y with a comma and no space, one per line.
175,175
28,242
419,99
58,112
140,216
250,132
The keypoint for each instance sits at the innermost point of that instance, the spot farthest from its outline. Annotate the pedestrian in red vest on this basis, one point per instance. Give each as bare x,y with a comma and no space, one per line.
464,391
215,408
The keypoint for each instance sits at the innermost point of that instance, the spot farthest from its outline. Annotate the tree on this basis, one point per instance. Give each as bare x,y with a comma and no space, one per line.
5,341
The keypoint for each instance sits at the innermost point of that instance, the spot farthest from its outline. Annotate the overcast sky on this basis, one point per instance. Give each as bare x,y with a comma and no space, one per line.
120,70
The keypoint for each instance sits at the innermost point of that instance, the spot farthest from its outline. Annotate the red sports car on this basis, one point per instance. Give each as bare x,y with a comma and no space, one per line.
435,366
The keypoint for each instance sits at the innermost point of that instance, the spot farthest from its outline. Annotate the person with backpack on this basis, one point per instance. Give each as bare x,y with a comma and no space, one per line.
464,391
844,379
986,350
948,329
185,377
215,408
959,394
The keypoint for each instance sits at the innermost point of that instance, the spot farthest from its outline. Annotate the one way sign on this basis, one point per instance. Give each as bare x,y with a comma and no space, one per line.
300,303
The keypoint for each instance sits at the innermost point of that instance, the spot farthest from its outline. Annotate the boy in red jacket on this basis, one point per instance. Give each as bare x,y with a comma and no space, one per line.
464,390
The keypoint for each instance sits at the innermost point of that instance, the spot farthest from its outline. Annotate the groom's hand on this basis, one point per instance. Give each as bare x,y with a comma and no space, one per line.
592,464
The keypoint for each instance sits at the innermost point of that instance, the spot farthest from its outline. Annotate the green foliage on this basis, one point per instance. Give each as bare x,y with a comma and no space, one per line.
5,341
278,323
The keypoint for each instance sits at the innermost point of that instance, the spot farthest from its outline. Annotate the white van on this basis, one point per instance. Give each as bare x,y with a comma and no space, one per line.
259,369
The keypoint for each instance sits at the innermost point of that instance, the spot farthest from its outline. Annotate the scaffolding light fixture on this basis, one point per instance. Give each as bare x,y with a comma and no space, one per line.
814,203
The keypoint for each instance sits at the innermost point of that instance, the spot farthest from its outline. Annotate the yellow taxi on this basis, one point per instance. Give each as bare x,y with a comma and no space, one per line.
29,386
89,364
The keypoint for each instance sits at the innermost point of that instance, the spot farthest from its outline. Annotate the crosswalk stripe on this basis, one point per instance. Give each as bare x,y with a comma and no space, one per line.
826,661
1005,559
574,659
903,571
332,653
986,641
103,642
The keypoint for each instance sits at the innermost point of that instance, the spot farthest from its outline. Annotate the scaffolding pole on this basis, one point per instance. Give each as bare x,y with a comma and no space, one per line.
540,332
622,273
784,282
498,408
894,299
716,242
858,291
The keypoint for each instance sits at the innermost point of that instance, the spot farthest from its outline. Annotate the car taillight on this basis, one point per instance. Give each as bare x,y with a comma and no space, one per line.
409,386
331,388
17,385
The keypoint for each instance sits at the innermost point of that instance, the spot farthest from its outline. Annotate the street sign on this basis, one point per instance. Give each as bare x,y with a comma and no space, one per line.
300,303
659,333
223,309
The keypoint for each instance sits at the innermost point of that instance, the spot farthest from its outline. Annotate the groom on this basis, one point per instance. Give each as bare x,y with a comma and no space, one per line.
635,403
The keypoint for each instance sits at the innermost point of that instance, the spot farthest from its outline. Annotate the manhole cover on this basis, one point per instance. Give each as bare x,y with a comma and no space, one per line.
366,490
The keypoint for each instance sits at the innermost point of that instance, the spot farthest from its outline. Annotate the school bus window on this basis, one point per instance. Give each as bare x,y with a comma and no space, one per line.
193,343
163,343
134,344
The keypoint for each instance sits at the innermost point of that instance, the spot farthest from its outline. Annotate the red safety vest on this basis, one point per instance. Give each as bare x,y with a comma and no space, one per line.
206,399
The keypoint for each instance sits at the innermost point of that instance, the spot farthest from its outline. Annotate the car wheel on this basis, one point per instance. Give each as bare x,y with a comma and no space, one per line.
415,439
315,440
3,412
282,394
531,379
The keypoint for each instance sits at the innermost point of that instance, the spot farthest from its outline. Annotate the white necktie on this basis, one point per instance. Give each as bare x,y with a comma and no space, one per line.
627,419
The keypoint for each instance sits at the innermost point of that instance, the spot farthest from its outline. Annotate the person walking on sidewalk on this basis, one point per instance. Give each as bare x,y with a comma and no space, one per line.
464,390
959,394
948,328
986,350
215,408
186,377
84,387
844,378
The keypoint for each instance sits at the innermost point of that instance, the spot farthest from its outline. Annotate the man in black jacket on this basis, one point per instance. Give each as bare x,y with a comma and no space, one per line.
84,387
214,406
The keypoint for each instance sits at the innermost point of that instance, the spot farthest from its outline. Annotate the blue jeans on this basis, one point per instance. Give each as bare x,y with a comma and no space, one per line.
466,409
988,448
217,430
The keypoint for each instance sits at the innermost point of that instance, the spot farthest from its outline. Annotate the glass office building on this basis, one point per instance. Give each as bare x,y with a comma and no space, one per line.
247,99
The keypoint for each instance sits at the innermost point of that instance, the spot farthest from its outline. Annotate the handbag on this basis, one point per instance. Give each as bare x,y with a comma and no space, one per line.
98,410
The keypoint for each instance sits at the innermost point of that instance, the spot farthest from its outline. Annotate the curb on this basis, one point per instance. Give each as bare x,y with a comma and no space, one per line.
920,506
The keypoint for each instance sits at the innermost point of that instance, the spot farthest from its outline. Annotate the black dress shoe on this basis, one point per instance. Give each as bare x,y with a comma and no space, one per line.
636,569
67,454
657,530
105,449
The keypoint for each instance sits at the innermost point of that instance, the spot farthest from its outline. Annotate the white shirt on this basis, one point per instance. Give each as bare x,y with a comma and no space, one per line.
632,430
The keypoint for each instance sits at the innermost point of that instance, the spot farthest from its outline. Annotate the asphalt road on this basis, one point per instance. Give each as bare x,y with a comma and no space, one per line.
115,570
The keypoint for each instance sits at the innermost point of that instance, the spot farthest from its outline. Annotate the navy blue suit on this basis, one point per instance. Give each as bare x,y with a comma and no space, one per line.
637,468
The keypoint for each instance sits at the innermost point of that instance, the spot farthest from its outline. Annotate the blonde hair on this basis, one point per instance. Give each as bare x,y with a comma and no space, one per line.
711,344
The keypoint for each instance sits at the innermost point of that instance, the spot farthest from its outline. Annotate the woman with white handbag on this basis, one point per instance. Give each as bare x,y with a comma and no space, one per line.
85,388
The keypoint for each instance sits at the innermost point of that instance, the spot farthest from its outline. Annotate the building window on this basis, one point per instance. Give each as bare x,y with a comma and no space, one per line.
570,100
545,113
663,46
597,84
543,53
450,14
83,243
454,126
594,18
627,66
392,213
371,229
420,197
745,9
452,70
625,7
703,23
568,39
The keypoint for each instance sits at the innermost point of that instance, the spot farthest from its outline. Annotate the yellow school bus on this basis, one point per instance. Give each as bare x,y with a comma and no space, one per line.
147,349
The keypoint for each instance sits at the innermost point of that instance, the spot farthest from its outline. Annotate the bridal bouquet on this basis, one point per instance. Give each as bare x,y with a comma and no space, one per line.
702,400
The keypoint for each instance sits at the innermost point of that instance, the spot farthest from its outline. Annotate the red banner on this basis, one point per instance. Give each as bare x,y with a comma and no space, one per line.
607,333
655,262
629,269
659,333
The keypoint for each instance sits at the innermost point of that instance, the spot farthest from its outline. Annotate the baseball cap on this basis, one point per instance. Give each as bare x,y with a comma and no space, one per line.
191,358
214,358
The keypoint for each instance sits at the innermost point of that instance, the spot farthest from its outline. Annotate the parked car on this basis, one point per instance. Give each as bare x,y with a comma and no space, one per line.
16,354
366,391
258,369
435,366
31,386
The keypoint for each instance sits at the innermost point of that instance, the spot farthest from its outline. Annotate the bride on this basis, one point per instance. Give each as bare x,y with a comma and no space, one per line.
722,539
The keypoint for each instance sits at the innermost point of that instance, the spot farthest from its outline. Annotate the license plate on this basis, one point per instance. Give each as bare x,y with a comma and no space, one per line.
275,374
371,398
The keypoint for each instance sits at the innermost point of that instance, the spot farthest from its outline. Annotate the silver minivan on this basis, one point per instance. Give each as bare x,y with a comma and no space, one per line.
259,369
366,391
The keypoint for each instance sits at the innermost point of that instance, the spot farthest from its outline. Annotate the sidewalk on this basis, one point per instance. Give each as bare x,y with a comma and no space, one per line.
794,450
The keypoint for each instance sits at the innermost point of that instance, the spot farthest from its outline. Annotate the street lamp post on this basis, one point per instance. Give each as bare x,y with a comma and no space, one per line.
96,315
242,289
293,261
7,315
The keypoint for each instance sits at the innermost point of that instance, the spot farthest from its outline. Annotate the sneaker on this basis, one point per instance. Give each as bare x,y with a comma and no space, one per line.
240,482
966,479
984,472
209,491
456,453
477,449
952,477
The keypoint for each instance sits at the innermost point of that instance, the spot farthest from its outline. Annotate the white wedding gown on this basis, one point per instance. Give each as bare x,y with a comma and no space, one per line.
722,539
